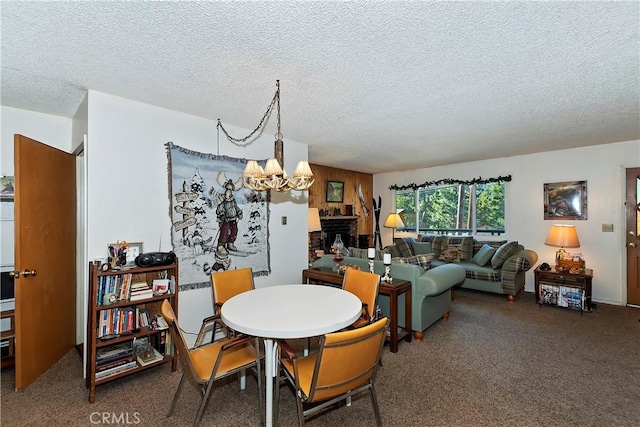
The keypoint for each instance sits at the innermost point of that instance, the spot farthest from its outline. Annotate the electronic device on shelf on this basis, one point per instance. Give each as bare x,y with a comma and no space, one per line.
149,259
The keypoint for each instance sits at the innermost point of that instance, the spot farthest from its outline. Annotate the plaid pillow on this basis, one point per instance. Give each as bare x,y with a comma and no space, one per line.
464,242
404,244
437,244
450,254
503,253
423,261
363,253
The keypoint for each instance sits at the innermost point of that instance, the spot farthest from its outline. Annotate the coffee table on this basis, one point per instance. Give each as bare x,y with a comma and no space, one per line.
322,275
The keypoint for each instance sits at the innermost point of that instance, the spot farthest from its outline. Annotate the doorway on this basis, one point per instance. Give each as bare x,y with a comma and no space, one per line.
632,238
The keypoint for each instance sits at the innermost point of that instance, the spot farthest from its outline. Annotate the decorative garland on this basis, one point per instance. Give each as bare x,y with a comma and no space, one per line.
449,181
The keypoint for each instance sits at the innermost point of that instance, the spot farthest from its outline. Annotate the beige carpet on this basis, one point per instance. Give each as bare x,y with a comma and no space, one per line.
491,364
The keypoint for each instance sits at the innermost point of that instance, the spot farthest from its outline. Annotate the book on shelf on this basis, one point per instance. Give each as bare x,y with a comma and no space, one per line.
141,294
116,370
151,355
104,365
113,351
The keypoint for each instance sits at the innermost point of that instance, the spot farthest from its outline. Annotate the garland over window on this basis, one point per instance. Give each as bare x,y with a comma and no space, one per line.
448,181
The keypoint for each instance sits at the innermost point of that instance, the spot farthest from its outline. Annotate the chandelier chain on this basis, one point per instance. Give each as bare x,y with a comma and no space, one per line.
243,142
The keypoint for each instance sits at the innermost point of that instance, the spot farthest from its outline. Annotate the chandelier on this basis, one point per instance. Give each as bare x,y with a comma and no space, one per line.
272,176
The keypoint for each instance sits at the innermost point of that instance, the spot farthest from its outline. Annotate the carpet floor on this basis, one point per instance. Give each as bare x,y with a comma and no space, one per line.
493,363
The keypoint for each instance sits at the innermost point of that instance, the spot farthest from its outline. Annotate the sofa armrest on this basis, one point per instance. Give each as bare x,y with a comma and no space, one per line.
438,280
514,268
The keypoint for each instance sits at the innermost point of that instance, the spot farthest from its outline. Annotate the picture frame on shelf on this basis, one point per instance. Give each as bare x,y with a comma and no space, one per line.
132,250
335,191
565,200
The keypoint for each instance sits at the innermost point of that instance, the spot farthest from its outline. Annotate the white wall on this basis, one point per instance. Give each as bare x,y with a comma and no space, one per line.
603,167
51,130
128,187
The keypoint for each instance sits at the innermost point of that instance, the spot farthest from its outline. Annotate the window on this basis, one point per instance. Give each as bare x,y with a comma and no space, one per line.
453,209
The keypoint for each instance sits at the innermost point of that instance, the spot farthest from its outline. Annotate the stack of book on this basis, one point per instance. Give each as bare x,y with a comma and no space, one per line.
139,291
151,355
114,359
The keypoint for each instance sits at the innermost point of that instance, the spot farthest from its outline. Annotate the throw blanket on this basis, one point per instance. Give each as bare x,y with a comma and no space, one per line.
217,224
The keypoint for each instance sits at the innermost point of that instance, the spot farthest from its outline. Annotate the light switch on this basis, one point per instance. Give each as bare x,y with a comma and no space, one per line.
284,220
607,228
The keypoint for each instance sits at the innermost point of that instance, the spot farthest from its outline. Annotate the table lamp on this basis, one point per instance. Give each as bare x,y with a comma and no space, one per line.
562,236
393,221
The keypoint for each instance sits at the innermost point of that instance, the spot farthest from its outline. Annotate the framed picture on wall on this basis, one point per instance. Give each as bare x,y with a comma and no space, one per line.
335,191
565,200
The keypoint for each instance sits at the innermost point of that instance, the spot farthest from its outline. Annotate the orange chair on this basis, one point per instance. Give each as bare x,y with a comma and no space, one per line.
365,286
227,284
211,362
345,365
224,285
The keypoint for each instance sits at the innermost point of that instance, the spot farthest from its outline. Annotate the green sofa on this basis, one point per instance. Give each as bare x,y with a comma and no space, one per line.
500,268
430,289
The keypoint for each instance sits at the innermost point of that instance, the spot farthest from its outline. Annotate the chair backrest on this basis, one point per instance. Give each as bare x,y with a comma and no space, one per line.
179,341
365,286
227,284
347,360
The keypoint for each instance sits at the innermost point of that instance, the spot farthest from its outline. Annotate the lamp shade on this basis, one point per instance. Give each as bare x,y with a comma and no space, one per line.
313,218
393,221
564,236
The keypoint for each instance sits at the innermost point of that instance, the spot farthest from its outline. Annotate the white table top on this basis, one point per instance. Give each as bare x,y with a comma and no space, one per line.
291,311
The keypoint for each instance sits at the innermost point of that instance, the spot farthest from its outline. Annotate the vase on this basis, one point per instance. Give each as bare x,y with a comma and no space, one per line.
336,249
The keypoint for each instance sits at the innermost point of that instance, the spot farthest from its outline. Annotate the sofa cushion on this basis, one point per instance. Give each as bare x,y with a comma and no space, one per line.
503,253
464,242
477,244
436,244
474,271
484,255
404,244
393,250
363,253
420,248
450,253
423,261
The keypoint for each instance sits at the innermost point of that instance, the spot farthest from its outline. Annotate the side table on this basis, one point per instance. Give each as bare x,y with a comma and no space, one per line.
549,282
321,275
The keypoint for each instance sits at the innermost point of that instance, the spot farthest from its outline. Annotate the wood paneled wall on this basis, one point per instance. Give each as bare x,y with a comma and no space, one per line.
351,179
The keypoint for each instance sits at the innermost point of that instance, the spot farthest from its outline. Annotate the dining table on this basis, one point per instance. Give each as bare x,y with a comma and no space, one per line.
288,312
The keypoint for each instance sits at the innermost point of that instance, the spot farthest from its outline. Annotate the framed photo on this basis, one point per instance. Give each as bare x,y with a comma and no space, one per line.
133,250
7,188
565,200
335,191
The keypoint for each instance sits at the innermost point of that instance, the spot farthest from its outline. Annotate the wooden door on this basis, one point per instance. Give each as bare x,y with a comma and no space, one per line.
632,238
45,242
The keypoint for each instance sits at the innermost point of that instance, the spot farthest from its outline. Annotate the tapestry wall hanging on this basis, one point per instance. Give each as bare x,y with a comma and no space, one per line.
217,224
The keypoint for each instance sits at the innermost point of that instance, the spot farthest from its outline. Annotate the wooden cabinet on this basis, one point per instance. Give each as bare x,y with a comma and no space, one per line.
121,316
564,289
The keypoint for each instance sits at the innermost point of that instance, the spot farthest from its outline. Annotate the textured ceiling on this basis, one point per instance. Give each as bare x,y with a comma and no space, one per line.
370,86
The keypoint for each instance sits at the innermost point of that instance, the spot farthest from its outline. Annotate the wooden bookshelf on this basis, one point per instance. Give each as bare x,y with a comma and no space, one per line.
109,324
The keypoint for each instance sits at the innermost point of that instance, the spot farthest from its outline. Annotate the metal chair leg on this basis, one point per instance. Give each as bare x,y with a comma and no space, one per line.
376,409
203,403
177,393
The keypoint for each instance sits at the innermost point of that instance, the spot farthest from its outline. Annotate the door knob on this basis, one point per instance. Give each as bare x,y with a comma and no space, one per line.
632,245
14,274
28,273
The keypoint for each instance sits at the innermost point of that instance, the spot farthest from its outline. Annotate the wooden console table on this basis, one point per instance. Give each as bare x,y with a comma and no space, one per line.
551,281
322,275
